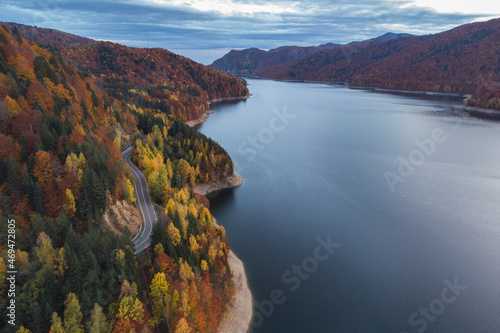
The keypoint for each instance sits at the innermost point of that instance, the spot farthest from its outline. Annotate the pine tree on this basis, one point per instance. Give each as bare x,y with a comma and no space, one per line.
35,196
24,149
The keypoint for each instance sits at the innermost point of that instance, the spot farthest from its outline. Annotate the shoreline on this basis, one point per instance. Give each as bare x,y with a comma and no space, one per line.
490,114
201,120
376,89
239,314
413,92
207,113
225,99
225,183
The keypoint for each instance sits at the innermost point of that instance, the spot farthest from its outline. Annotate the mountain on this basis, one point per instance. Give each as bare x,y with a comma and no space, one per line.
249,61
61,170
49,37
152,78
460,60
389,36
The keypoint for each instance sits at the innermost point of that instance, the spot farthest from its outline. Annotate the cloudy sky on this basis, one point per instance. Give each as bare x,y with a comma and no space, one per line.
204,30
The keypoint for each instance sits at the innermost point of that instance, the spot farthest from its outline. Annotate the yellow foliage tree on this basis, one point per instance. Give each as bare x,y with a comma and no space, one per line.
159,292
131,309
159,249
185,271
60,266
204,266
192,209
120,257
44,251
129,191
22,260
193,244
43,168
12,107
174,234
183,327
212,253
71,200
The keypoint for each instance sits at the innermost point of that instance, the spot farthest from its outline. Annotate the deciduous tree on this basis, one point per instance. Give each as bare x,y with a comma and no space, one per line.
72,315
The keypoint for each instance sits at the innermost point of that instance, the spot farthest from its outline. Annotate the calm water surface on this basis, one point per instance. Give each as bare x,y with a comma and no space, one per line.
420,255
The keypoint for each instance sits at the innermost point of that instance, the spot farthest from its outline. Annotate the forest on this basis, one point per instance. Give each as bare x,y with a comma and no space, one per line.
249,61
61,129
154,78
461,60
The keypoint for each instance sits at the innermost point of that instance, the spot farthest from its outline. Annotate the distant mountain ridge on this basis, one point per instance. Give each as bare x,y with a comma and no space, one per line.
248,61
460,60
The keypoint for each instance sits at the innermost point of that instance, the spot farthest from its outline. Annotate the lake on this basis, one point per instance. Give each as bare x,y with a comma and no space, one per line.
362,211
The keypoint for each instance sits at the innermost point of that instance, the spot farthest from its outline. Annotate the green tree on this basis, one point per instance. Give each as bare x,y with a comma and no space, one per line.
72,315
3,272
97,322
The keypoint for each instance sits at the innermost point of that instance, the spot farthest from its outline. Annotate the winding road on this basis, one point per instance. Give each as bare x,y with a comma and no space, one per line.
143,237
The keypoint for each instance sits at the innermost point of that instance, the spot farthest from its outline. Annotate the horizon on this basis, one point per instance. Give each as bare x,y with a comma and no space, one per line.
206,30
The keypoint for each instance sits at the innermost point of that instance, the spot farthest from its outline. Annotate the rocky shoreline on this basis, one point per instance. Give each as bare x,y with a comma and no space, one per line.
217,185
204,116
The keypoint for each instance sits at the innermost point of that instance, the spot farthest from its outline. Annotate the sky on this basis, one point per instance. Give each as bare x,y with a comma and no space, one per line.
205,30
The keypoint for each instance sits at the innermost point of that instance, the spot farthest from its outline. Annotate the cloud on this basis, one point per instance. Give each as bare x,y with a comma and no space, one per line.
214,25
228,7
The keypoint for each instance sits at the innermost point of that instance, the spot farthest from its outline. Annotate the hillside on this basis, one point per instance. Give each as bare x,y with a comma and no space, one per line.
460,60
249,61
61,170
151,78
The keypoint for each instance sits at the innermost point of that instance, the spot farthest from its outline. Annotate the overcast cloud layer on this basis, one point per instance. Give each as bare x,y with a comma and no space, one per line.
205,30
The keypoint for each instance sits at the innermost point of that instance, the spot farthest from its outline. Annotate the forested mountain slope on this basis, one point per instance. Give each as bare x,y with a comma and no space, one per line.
461,60
151,78
249,61
61,167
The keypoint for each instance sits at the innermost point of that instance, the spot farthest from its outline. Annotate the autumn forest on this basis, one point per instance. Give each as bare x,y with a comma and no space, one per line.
65,112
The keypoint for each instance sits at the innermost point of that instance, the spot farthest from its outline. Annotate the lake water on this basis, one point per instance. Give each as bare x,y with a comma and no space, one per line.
406,191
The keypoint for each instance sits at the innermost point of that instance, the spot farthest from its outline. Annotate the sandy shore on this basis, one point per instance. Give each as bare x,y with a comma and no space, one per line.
240,312
216,185
200,120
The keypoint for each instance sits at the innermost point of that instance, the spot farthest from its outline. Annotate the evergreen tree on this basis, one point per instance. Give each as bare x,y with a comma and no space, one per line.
24,149
35,195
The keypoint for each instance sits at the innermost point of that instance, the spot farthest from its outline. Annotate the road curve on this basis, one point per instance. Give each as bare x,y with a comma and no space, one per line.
142,240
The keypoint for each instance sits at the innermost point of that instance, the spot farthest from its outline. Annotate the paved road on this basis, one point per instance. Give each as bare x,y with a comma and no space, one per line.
141,241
